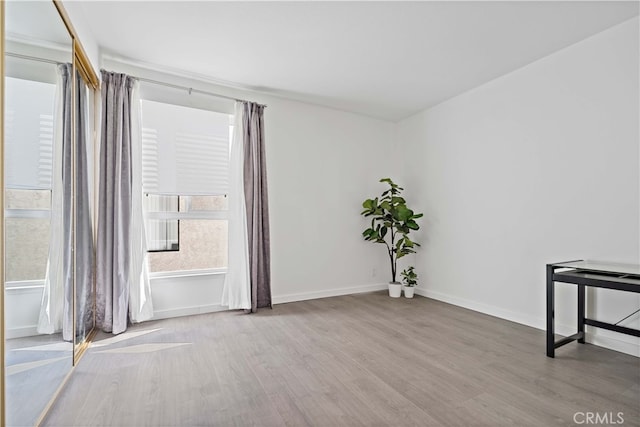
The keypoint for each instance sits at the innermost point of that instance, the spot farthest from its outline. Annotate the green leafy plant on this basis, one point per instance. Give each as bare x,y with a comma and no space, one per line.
391,223
409,277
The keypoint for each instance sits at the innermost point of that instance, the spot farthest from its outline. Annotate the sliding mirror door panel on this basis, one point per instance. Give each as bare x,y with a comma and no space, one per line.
38,291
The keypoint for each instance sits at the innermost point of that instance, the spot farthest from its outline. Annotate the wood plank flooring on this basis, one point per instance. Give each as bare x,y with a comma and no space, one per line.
357,360
35,368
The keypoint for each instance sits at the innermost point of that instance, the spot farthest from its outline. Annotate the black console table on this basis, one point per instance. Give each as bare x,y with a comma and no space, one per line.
621,277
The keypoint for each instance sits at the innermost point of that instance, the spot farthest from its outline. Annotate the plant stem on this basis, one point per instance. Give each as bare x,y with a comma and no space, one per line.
393,261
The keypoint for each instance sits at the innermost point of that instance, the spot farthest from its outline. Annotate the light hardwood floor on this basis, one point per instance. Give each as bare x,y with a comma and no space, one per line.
36,366
358,360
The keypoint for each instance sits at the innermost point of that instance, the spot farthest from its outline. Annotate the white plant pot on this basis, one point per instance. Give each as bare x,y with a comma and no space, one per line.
395,289
408,291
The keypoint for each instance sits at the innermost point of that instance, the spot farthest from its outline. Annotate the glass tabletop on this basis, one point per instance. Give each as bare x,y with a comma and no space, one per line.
601,266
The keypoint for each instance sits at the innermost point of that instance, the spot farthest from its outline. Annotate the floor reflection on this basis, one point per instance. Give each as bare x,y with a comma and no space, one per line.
35,368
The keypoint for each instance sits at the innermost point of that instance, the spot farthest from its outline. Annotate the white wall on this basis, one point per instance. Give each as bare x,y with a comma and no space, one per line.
85,35
538,166
22,307
322,164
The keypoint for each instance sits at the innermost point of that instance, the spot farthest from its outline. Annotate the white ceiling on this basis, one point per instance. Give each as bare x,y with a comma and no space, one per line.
382,59
35,21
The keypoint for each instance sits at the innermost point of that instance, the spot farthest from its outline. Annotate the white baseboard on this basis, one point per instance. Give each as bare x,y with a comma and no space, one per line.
623,344
187,311
276,299
281,299
28,331
20,332
484,308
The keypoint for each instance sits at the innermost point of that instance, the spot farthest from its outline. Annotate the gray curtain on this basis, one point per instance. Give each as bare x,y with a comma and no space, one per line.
255,191
114,215
84,255
84,251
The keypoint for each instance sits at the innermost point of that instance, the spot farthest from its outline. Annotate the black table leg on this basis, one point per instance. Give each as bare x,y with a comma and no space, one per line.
550,313
581,308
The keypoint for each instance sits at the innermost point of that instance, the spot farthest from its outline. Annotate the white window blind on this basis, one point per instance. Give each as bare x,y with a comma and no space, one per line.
29,133
185,151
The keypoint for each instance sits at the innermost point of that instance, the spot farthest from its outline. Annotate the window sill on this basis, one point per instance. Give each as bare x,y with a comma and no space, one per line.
23,285
187,273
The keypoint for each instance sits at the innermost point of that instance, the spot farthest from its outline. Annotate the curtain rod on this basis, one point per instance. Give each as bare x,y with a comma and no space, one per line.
33,58
192,90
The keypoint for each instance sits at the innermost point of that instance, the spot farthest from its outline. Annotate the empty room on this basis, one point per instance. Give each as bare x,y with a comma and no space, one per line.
320,213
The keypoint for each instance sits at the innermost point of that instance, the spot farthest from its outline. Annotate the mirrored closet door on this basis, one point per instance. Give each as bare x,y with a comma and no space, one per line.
49,296
83,208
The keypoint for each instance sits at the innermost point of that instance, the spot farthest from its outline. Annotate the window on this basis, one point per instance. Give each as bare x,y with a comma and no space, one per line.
162,233
185,155
29,162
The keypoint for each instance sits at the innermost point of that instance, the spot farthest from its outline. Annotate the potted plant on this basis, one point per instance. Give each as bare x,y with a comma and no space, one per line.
391,223
410,281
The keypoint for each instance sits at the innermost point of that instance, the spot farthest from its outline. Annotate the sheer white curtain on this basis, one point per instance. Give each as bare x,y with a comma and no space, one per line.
53,298
140,303
236,293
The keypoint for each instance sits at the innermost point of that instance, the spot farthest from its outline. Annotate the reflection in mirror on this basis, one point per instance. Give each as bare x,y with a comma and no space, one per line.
38,346
84,253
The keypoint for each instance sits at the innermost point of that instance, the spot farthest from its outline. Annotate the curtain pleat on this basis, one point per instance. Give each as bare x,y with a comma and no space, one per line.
114,215
257,205
140,302
84,248
56,307
236,293
56,311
